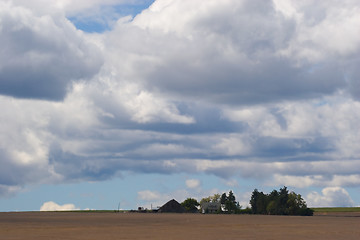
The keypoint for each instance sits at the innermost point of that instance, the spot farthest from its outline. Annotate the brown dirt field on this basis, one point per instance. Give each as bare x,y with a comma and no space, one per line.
83,225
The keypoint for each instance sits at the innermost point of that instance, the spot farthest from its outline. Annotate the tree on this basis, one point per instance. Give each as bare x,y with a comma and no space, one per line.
214,198
297,205
229,203
258,202
223,198
272,203
254,200
271,208
283,201
262,203
190,204
205,200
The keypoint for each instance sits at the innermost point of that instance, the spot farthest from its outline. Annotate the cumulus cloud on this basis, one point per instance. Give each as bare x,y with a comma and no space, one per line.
229,88
325,179
238,63
43,54
330,197
24,143
52,206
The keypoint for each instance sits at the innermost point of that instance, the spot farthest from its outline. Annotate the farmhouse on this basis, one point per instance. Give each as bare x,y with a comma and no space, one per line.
210,207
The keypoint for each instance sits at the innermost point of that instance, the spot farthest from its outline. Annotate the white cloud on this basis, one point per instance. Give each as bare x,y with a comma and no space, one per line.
234,145
144,107
244,199
226,55
52,206
296,181
330,197
24,143
325,30
81,5
193,183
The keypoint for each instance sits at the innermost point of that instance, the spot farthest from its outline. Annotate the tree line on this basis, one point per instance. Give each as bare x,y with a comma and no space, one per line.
280,202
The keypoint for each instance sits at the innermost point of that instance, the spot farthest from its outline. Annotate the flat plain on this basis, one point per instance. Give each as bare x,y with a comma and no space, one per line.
111,225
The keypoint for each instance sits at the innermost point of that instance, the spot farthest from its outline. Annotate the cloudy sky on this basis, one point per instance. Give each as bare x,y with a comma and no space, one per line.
125,103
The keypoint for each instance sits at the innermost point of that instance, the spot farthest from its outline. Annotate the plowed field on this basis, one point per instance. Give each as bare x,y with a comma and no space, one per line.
103,226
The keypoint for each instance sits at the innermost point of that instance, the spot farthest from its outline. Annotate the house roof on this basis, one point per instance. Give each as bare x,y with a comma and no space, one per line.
172,206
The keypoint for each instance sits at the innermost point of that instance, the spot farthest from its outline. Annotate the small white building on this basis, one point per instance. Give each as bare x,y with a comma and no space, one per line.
210,207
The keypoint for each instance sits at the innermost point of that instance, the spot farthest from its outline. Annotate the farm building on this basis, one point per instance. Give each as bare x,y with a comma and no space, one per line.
172,206
210,207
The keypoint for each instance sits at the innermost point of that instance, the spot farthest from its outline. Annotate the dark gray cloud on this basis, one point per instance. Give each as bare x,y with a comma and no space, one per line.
353,78
269,81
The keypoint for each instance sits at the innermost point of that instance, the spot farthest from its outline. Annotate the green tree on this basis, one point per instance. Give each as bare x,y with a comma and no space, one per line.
272,203
214,198
262,203
297,205
271,208
205,200
190,204
283,208
258,202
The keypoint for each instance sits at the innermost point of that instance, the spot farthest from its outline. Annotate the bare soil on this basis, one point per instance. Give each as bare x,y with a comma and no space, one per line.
94,225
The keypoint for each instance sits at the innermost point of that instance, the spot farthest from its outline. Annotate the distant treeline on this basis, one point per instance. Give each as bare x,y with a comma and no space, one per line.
279,203
275,203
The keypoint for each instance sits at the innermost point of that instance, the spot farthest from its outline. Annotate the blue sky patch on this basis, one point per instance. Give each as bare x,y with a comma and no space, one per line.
102,19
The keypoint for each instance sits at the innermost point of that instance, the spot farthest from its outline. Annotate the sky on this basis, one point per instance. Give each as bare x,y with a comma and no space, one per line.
116,104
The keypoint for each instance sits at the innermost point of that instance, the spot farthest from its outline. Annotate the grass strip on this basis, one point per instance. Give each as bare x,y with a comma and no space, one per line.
337,209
